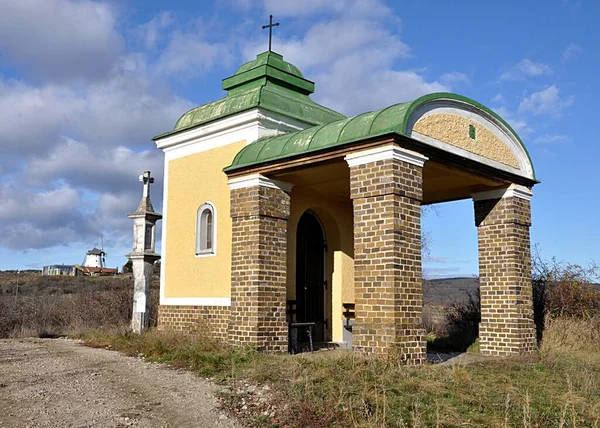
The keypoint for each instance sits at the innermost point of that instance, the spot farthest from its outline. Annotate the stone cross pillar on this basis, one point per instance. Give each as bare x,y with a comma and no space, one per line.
503,218
260,209
386,187
143,255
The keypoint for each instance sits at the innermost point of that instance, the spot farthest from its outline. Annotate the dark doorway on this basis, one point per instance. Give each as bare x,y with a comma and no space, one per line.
310,276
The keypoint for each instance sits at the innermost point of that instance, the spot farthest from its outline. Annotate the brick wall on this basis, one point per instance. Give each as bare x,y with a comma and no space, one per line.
259,268
507,325
387,259
212,320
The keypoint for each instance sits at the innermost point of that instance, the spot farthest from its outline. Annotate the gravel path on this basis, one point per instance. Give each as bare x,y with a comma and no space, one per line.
61,383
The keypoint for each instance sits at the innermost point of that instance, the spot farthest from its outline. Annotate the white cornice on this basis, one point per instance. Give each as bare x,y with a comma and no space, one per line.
253,180
383,153
256,117
514,190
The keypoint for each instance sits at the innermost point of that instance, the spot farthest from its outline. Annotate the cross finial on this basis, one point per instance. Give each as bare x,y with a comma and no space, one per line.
270,27
147,180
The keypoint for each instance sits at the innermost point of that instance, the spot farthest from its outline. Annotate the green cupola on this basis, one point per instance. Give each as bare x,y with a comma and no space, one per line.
269,83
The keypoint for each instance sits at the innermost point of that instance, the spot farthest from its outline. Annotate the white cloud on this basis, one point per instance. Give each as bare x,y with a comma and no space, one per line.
31,219
571,52
88,192
498,98
553,139
33,119
99,169
150,32
454,78
378,89
546,102
189,55
135,107
355,60
325,42
524,69
294,8
73,149
518,123
60,39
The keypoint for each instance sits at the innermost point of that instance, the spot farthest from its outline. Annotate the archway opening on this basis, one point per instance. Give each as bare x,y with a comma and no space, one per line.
311,300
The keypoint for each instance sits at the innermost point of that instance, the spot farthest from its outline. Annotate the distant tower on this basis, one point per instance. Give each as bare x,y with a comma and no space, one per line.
94,258
143,255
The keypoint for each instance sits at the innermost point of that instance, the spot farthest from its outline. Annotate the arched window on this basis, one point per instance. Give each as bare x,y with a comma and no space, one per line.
205,230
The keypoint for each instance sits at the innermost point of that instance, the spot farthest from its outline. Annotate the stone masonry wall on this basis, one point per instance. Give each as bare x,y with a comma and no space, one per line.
387,259
259,268
212,320
507,325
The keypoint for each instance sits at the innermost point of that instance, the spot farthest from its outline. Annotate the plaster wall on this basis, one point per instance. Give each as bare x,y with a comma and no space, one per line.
336,218
453,129
192,181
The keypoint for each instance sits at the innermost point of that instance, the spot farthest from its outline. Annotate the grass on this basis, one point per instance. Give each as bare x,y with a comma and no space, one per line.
560,386
44,306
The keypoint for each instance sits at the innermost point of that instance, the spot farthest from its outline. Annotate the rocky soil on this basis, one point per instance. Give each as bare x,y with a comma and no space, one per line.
61,383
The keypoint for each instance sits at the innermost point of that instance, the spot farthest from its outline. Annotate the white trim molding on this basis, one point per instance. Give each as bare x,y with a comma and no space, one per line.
253,180
247,126
213,251
385,152
479,116
514,190
194,301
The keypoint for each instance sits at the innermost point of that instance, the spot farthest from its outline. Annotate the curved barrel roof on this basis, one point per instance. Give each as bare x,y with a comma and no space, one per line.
392,119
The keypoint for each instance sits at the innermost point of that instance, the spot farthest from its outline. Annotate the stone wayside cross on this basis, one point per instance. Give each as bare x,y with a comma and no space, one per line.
143,255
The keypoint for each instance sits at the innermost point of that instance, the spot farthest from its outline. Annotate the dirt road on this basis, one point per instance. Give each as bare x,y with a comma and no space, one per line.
60,383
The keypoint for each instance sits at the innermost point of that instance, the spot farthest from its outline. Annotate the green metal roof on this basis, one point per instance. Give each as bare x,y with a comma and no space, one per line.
392,119
269,83
273,59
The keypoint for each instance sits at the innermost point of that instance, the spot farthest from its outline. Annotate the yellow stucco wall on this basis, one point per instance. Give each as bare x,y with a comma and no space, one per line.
337,220
454,130
194,180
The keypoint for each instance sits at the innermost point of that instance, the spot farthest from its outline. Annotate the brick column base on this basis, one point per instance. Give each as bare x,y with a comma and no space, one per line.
388,289
259,267
507,325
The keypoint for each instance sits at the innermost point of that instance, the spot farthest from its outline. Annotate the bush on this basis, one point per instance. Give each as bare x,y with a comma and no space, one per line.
462,326
563,289
77,305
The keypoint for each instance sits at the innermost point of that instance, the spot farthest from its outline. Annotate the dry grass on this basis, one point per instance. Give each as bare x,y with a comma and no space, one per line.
54,306
558,387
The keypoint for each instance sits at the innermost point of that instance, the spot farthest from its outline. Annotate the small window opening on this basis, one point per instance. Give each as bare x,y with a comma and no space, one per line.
472,132
205,230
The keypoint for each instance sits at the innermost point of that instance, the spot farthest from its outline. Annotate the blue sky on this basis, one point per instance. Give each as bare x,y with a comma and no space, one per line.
84,86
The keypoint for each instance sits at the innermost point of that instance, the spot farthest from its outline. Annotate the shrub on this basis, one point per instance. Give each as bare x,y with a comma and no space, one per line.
462,326
563,289
70,306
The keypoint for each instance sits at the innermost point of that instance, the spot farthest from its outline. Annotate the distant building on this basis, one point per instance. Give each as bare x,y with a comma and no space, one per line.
58,270
93,265
94,258
96,271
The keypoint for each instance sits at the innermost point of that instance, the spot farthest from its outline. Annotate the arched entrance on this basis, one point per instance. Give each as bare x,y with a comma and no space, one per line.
310,275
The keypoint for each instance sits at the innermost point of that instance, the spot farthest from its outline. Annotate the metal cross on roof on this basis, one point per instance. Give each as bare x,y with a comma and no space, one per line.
147,180
270,27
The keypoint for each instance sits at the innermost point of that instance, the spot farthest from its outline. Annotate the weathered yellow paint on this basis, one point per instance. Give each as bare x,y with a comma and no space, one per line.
454,130
194,180
337,220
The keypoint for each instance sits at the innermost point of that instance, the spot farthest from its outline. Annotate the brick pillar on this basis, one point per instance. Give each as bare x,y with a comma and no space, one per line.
503,219
260,209
386,191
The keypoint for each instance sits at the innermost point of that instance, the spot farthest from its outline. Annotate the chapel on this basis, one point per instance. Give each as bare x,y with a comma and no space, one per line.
281,213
